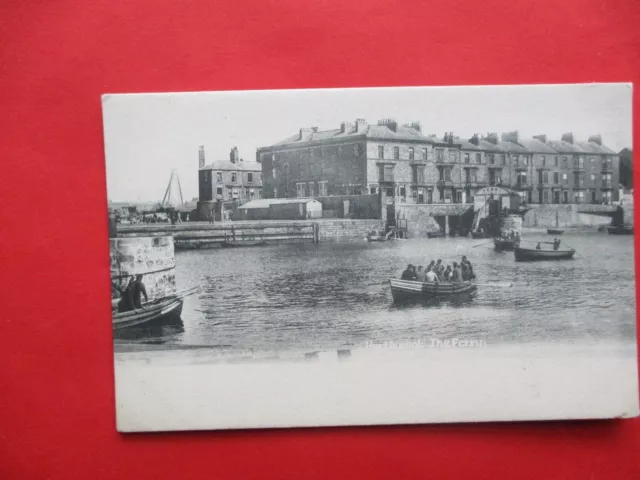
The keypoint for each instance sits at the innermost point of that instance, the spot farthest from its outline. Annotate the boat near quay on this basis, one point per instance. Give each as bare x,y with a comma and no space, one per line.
508,244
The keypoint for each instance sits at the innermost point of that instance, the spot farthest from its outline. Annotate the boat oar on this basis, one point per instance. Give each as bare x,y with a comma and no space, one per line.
481,244
578,253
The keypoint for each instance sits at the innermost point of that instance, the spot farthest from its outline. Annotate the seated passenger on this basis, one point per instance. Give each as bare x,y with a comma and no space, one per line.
538,247
456,275
421,274
447,274
431,276
409,273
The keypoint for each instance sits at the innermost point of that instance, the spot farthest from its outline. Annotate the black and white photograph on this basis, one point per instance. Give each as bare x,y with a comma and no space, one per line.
371,256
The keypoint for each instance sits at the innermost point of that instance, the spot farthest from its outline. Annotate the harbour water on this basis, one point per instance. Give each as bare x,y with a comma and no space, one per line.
325,296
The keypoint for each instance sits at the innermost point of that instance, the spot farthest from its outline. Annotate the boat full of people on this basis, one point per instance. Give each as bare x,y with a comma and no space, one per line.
434,281
507,241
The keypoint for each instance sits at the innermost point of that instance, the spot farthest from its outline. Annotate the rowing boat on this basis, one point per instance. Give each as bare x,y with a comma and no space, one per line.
159,311
553,231
435,234
404,289
533,254
620,230
501,244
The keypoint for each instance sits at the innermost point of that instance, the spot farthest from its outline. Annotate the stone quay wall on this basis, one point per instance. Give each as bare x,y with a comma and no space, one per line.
567,216
346,230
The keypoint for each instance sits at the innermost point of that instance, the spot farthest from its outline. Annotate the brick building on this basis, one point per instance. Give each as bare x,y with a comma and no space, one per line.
406,166
226,184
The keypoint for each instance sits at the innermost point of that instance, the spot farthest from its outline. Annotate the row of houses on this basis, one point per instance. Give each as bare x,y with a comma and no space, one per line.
400,164
406,166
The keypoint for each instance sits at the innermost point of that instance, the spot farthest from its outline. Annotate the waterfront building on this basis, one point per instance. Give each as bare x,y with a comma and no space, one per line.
404,165
226,184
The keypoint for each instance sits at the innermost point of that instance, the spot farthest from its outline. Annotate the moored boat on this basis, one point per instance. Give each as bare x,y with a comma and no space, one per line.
501,244
437,234
620,230
477,234
553,231
533,254
161,311
404,289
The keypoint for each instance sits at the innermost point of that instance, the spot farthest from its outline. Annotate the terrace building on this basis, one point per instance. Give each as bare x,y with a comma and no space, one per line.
404,165
226,184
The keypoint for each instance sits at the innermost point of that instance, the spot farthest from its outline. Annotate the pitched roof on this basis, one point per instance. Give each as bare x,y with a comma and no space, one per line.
565,147
592,147
227,165
536,146
266,202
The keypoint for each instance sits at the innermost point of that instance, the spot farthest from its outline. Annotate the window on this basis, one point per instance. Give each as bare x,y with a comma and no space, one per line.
275,193
403,193
593,179
606,180
396,153
579,197
492,158
246,192
445,174
545,196
521,179
439,155
459,196
374,190
300,190
312,192
515,160
495,177
606,198
411,153
219,177
312,169
555,159
380,151
322,188
525,160
251,193
577,180
452,156
564,162
388,173
556,178
580,162
466,158
356,151
565,179
249,177
478,158
206,176
503,159
424,153
229,192
219,192
273,174
543,160
566,196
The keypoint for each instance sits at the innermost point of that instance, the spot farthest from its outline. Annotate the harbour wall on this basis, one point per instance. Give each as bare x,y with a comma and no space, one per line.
205,235
567,216
152,257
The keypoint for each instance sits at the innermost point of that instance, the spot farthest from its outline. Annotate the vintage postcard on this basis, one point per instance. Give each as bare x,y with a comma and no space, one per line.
371,256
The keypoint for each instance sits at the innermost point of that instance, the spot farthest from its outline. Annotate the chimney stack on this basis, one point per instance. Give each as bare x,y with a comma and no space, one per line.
390,123
567,137
233,155
542,138
475,139
345,127
448,137
510,137
414,125
361,125
201,156
597,138
492,137
305,132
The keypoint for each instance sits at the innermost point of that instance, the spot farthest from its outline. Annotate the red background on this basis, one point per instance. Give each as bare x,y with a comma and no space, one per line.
58,57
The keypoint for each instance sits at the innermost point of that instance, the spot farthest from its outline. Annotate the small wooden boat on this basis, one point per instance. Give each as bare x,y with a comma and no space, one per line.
533,254
502,244
159,311
242,243
378,237
435,234
404,289
553,231
477,234
620,230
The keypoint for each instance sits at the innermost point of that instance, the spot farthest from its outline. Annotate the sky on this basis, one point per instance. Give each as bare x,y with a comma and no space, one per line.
149,135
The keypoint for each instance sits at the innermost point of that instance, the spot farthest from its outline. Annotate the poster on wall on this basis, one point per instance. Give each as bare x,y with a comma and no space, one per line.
294,258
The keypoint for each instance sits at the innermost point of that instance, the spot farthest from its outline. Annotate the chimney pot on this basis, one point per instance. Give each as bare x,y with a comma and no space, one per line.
542,138
233,155
361,124
492,137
